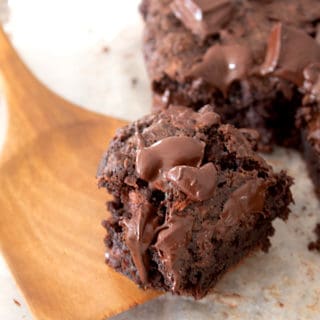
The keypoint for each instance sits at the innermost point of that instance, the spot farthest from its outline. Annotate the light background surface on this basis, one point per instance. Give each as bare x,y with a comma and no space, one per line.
64,43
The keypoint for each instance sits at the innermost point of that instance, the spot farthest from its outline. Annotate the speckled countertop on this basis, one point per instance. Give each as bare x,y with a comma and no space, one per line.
89,52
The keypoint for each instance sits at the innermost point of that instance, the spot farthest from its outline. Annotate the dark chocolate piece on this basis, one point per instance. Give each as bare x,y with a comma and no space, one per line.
197,183
155,161
182,117
190,201
246,200
290,50
221,65
204,17
140,230
171,244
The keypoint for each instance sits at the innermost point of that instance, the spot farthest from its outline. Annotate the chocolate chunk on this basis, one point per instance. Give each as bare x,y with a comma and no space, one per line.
154,162
290,50
140,231
247,199
172,240
197,183
311,83
221,65
182,117
204,17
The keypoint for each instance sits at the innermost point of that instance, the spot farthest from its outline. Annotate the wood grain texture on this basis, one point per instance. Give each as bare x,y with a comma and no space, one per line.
50,207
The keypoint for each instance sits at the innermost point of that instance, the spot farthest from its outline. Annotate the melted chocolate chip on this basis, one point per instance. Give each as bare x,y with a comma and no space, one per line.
140,231
204,17
152,163
197,183
183,117
171,244
249,198
221,65
289,51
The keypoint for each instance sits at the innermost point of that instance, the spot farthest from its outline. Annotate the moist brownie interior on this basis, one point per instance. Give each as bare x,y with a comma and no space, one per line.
191,199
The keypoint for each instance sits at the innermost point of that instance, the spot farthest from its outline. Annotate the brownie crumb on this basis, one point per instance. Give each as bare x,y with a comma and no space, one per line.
134,81
105,49
16,302
315,245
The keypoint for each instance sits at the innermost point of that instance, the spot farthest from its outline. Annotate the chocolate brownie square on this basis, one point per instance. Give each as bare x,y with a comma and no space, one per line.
191,199
244,57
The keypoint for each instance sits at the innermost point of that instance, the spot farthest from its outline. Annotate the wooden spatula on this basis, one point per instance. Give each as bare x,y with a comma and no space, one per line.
50,208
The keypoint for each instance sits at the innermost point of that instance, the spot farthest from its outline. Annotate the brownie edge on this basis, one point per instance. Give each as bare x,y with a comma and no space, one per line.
191,199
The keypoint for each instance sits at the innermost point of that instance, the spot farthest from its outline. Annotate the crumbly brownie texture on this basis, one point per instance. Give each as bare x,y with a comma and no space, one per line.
245,57
191,199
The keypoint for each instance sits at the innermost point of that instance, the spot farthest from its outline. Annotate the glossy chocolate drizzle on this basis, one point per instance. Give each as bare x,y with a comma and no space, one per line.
248,198
153,163
289,51
197,183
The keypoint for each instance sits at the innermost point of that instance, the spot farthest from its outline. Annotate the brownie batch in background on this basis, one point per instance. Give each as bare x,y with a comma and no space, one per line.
246,57
256,62
191,199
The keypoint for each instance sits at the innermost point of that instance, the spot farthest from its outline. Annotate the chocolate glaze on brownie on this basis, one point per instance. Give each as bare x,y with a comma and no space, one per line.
245,57
191,199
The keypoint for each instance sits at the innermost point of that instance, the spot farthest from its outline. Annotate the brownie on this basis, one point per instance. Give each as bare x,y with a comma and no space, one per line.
191,198
244,57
